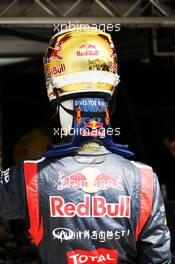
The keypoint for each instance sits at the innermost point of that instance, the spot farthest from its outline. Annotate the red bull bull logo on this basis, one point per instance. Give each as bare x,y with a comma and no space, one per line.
87,46
54,53
93,124
95,206
90,180
87,50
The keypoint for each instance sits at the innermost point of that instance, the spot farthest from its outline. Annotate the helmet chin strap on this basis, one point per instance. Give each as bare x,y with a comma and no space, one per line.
90,123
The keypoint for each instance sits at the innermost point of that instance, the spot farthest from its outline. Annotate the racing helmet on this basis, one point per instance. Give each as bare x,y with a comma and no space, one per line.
79,62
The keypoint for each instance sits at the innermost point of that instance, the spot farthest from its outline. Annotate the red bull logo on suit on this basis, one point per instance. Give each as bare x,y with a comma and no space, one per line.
89,180
95,207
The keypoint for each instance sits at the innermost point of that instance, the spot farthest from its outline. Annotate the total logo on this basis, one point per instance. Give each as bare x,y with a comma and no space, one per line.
100,255
87,50
95,206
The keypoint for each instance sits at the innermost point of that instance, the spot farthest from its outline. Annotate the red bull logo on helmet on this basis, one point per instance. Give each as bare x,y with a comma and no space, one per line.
56,70
87,46
95,206
87,49
90,180
54,53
